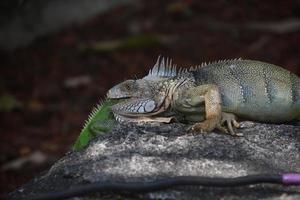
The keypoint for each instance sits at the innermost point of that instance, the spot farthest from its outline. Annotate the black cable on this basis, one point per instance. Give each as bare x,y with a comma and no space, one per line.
160,185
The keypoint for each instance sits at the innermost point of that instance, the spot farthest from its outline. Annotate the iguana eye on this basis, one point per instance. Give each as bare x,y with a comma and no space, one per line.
129,85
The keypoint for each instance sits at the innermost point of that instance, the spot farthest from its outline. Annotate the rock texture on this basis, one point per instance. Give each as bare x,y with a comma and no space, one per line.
148,152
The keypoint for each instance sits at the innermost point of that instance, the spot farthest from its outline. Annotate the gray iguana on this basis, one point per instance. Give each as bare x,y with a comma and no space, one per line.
210,95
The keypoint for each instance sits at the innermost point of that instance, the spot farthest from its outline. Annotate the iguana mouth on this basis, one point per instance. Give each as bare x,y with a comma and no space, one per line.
119,99
124,119
141,110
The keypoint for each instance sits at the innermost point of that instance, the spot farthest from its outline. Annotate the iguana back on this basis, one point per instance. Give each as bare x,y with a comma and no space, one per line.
253,89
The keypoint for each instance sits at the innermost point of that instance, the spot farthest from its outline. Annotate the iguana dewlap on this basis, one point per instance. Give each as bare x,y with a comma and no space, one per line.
210,95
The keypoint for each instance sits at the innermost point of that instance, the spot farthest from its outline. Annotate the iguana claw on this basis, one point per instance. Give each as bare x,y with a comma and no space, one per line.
206,126
231,122
210,124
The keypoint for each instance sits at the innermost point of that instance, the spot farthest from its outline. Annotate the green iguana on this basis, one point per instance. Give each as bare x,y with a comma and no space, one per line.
210,95
99,121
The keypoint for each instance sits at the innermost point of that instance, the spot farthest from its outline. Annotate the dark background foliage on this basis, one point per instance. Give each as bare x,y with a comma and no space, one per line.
52,74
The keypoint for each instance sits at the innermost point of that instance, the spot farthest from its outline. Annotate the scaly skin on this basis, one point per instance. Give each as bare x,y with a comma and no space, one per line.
210,95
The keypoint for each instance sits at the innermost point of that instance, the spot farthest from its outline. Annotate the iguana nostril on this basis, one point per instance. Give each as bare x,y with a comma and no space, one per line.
113,93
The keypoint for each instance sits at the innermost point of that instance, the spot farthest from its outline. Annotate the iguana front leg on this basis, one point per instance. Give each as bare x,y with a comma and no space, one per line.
207,96
204,102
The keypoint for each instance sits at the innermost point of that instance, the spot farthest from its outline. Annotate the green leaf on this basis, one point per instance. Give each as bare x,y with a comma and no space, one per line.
8,103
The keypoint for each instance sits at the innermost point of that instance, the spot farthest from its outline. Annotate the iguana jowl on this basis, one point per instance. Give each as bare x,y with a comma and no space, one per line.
210,95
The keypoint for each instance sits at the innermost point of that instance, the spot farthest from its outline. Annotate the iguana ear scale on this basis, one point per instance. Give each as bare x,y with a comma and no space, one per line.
135,106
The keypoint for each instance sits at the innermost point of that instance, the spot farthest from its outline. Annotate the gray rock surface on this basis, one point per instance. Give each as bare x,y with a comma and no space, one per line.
152,151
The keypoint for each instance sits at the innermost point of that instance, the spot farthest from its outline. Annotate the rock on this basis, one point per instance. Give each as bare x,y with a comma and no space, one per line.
148,152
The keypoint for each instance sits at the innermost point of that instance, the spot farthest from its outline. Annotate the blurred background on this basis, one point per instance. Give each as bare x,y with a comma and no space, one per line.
59,57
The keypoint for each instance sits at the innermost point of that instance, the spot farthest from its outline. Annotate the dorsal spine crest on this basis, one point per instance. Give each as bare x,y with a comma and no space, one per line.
93,113
164,68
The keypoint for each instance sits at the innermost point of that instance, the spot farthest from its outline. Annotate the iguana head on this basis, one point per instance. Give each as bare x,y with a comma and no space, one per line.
144,99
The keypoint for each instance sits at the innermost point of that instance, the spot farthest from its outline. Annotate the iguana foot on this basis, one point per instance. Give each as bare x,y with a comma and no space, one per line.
231,122
210,124
207,126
